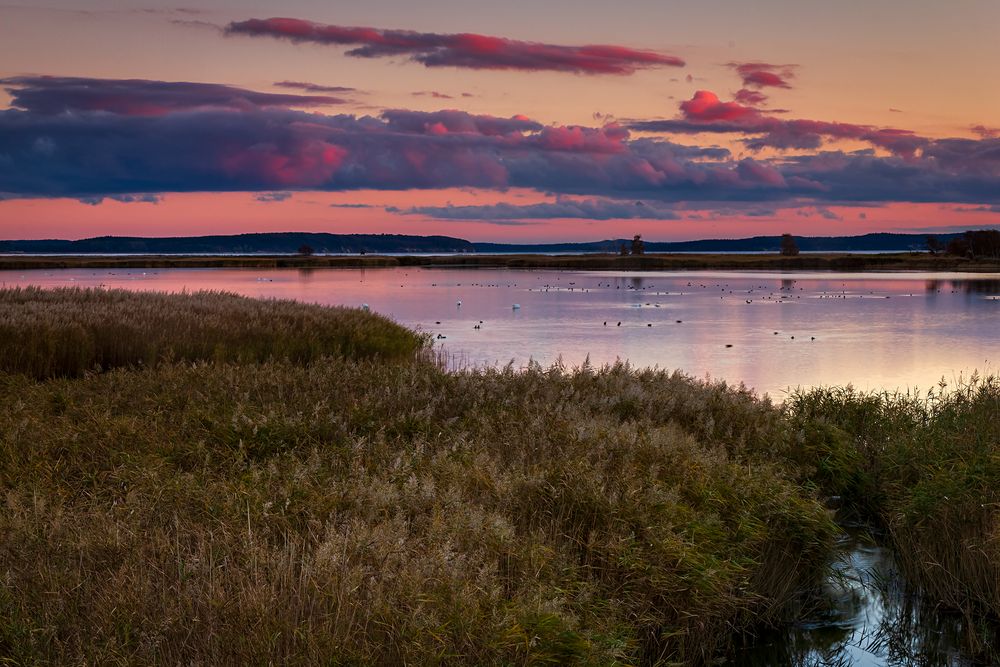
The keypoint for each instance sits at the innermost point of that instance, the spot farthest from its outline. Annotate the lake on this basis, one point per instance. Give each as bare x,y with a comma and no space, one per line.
772,331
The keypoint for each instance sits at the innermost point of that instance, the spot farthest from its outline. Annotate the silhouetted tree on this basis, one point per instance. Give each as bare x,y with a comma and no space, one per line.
305,250
979,243
934,245
637,246
789,247
985,243
958,246
623,251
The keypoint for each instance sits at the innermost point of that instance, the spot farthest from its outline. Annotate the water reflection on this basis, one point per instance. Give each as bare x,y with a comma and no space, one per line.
990,286
772,331
866,617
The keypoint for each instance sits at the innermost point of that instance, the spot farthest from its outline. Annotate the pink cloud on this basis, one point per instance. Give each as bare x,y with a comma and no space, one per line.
457,122
764,75
985,132
308,163
705,112
465,50
706,106
750,97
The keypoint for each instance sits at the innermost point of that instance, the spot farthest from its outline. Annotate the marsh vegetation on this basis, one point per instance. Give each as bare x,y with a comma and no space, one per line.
67,331
833,261
351,502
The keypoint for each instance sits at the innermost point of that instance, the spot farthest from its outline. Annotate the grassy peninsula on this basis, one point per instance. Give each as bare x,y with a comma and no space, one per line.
173,494
898,261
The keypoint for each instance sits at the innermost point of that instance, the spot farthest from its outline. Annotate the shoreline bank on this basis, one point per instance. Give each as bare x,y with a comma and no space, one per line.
665,262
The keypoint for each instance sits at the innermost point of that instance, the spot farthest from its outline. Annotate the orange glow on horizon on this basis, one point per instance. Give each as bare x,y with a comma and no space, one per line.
363,212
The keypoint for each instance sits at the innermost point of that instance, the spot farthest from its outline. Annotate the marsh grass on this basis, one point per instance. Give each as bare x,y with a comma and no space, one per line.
251,482
65,332
926,468
356,512
649,261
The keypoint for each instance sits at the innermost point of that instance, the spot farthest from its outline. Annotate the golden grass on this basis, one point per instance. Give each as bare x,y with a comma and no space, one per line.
48,333
358,512
253,483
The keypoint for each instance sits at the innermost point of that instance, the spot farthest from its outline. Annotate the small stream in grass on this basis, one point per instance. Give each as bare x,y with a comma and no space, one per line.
867,617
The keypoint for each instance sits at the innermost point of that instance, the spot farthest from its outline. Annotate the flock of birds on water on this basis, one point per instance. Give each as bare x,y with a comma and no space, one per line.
759,293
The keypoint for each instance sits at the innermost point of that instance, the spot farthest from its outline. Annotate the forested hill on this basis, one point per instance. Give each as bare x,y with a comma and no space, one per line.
319,243
246,244
881,242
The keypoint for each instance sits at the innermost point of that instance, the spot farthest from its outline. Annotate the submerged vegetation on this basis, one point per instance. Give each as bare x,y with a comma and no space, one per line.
273,503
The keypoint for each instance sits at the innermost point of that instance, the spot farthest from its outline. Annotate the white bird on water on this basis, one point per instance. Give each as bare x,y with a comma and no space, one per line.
516,306
364,306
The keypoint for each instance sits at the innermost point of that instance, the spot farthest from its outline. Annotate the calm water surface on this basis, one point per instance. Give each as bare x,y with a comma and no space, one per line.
772,331
866,617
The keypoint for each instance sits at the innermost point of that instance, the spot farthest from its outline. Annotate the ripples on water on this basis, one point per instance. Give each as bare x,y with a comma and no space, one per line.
772,331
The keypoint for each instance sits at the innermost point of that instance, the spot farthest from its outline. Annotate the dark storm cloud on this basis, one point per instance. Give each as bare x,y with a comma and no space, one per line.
592,209
141,97
256,147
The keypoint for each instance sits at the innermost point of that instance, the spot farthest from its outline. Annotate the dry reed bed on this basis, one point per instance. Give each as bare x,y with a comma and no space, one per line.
926,468
49,333
279,501
354,511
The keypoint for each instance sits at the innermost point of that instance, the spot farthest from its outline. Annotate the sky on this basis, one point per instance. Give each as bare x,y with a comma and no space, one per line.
517,121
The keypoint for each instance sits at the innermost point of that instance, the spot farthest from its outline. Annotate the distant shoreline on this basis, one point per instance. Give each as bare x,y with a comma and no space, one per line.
900,261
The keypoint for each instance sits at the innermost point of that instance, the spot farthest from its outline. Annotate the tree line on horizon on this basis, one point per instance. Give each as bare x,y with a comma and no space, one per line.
974,244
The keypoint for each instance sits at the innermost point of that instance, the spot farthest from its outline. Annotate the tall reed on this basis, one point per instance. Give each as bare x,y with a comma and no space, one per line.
358,512
65,332
251,482
926,467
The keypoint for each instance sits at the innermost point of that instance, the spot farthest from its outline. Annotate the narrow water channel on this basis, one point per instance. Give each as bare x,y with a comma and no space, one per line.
867,616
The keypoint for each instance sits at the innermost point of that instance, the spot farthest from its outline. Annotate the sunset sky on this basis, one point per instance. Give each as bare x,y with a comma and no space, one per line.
518,121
